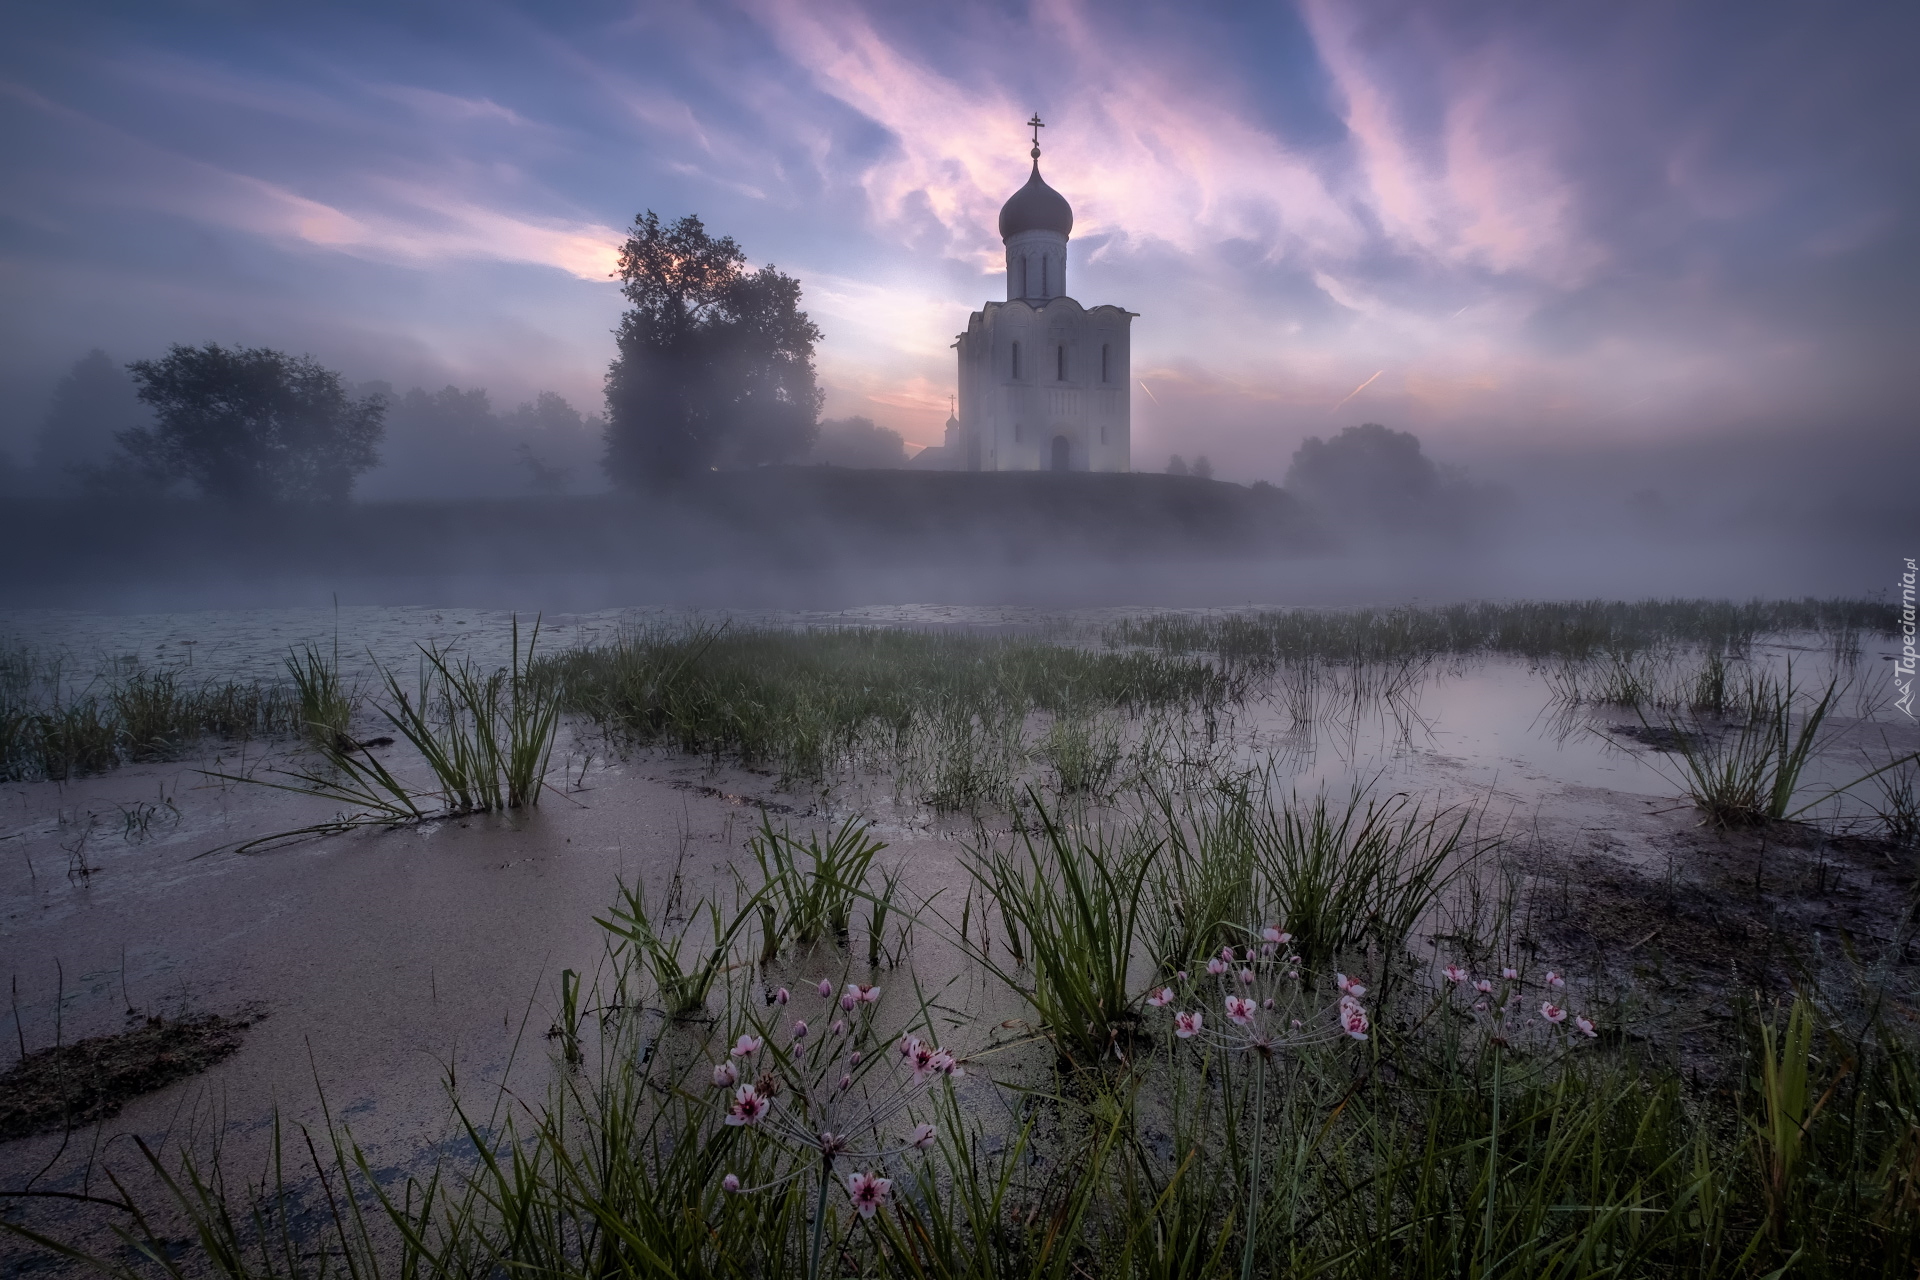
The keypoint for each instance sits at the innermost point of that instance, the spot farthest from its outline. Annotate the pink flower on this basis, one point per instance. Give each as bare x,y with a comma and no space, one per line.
1296,1024
1267,1003
946,1064
748,1108
1226,953
1239,1012
826,989
1484,987
1509,974
922,1138
1294,974
839,1027
746,1046
1182,975
1348,986
1552,1012
861,993
730,1184
853,1059
1246,976
1160,999
799,1028
1586,1027
1455,974
1555,980
1353,1021
846,1082
1250,955
1186,1025
725,1077
780,996
848,1001
1480,1006
1216,966
1278,937
921,1060
909,1045
868,1192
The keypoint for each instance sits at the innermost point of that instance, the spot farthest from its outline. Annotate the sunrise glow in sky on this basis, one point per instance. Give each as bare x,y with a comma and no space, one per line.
1501,225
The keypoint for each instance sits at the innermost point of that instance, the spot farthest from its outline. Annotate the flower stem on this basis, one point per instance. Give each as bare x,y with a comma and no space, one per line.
820,1218
1493,1169
1253,1173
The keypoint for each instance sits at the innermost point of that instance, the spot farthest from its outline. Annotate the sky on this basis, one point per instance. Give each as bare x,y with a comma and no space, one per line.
1516,229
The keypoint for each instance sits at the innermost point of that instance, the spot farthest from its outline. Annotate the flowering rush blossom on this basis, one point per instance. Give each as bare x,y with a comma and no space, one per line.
1502,1014
819,1098
748,1107
1267,1010
868,1192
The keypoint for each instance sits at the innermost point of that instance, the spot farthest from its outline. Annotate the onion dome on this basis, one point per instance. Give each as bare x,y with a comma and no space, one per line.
1036,207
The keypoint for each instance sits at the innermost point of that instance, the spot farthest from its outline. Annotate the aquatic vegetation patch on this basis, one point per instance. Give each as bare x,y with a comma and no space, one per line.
1531,629
487,737
55,727
805,702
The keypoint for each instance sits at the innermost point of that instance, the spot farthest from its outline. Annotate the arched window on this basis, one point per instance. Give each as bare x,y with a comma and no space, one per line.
1106,362
1023,282
1016,360
1060,363
1043,278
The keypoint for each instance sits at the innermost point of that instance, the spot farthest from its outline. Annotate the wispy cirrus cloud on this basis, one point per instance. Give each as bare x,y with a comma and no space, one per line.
414,221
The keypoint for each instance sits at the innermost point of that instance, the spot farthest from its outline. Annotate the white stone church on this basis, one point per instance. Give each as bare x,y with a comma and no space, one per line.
1042,380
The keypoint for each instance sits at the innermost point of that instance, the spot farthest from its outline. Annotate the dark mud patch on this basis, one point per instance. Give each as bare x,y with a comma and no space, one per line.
1738,915
68,1086
1660,737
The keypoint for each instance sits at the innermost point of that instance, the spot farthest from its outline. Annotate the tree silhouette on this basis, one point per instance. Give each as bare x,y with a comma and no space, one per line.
250,424
91,405
716,362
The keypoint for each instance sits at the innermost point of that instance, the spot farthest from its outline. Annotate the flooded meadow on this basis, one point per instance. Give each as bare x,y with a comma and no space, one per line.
1518,939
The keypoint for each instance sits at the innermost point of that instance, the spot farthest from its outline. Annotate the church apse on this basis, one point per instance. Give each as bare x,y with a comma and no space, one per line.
1042,379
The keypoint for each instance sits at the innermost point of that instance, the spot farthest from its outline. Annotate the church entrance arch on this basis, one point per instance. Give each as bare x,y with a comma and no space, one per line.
1062,453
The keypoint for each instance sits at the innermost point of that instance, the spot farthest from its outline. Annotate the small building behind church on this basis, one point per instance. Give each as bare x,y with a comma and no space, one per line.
1042,379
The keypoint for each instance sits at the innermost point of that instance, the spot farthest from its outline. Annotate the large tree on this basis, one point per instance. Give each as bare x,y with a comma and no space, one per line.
249,425
715,364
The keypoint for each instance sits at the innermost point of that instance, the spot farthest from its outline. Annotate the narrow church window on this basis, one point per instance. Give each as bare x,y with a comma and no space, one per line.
1016,360
1043,278
1103,435
1017,433
1106,364
1024,292
1060,364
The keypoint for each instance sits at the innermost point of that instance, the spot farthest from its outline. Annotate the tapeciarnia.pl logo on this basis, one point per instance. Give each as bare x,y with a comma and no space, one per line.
1903,665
